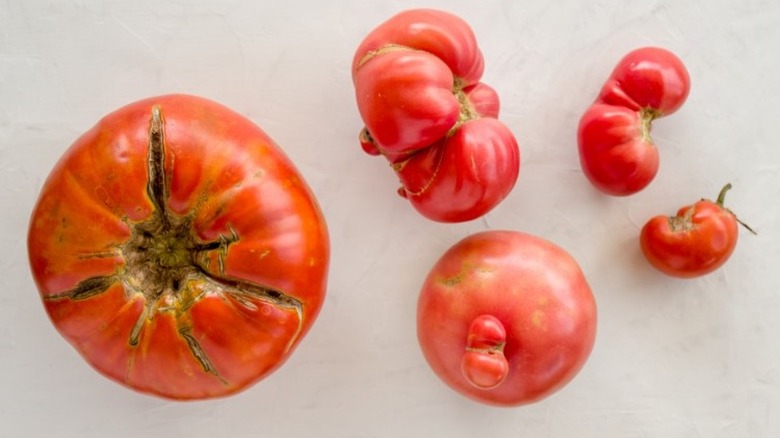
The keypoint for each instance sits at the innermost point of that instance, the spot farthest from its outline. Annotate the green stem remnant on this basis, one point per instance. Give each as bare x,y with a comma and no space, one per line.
721,202
647,115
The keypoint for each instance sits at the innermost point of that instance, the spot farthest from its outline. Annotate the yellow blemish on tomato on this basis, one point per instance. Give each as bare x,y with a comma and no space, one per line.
452,281
457,278
538,319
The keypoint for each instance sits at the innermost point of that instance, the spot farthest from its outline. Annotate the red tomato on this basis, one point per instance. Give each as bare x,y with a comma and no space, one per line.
417,86
506,318
697,241
178,249
617,153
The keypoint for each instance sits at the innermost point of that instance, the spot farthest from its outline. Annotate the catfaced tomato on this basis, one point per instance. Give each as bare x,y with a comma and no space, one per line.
616,151
697,241
506,318
178,249
417,86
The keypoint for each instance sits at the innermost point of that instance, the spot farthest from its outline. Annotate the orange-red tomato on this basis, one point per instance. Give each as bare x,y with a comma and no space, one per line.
506,318
697,241
178,249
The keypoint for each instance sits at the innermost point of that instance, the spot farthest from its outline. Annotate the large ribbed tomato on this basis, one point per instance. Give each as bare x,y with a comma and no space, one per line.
417,85
178,249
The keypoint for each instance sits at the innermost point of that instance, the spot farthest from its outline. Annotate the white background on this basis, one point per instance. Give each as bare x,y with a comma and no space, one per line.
673,358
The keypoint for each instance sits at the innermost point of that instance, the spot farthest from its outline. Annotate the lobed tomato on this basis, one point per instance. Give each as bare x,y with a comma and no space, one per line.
178,249
506,318
418,90
617,153
697,241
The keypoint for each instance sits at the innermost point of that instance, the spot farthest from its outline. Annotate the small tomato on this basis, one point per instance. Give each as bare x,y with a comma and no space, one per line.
697,241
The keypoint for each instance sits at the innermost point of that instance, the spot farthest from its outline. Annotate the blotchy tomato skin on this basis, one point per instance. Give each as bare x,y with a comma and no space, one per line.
417,86
241,279
537,292
616,151
699,240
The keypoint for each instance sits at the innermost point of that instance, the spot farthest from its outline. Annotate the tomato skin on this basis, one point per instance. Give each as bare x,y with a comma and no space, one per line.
444,35
416,79
462,176
695,242
617,154
648,77
233,287
406,100
538,294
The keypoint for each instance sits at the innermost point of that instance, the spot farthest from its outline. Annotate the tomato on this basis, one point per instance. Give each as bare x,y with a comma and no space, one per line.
616,150
418,90
697,241
506,318
178,249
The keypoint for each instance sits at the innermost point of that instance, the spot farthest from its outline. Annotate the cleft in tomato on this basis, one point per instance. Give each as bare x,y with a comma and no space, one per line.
178,250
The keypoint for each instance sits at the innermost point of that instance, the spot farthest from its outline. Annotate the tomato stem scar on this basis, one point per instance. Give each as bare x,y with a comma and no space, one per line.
157,186
647,115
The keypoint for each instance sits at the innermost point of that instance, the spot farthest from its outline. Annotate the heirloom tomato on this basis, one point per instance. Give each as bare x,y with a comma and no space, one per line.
418,90
697,241
506,318
616,151
178,249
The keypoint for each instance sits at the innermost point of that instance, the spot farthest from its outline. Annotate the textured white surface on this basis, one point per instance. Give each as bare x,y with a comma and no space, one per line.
698,358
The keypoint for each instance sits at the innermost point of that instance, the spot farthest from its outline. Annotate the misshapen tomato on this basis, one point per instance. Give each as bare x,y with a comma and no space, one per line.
178,249
616,151
506,318
417,86
695,242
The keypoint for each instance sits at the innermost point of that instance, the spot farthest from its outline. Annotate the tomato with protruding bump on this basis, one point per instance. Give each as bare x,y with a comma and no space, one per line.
506,318
179,250
418,91
484,364
695,242
617,153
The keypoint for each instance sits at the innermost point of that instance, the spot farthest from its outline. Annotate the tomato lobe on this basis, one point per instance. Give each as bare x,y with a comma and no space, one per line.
484,364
